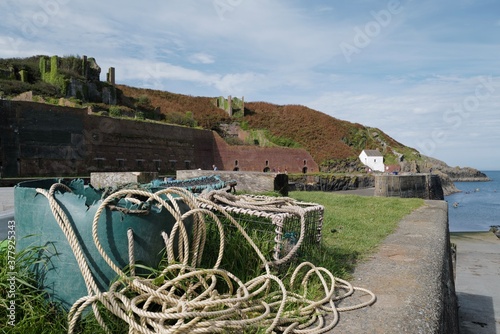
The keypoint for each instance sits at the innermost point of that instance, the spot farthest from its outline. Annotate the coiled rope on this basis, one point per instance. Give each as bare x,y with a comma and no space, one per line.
184,298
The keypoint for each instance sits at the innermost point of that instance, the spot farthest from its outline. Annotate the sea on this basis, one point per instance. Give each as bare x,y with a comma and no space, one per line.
477,207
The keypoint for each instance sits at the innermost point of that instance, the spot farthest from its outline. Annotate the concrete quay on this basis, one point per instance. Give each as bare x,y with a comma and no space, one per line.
411,275
477,283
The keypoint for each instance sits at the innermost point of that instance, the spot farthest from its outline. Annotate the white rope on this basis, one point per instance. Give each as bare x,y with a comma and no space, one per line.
186,299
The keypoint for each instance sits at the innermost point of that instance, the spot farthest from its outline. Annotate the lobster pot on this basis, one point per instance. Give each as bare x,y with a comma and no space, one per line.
279,231
60,274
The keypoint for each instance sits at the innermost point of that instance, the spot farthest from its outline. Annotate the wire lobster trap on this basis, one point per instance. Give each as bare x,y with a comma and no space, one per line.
288,227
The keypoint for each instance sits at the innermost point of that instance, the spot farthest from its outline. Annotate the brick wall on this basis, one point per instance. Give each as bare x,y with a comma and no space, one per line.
259,159
45,140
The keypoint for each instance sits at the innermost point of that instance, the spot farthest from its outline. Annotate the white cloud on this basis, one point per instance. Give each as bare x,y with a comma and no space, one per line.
201,58
433,116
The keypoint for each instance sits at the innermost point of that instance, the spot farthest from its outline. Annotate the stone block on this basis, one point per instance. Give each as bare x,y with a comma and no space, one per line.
252,182
114,179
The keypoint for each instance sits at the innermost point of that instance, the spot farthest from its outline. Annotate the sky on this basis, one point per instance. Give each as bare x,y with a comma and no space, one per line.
425,72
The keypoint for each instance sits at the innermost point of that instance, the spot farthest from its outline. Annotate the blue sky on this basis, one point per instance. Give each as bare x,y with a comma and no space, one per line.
425,72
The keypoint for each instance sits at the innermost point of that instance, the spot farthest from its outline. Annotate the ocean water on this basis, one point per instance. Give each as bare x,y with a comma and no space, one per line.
478,205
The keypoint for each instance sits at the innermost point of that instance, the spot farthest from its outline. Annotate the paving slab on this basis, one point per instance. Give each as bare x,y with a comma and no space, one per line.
477,283
6,198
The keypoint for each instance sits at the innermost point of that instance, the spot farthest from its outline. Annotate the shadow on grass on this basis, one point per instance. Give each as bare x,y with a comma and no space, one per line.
338,261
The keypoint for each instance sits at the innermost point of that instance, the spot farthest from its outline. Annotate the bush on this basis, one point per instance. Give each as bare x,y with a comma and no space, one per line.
115,111
139,115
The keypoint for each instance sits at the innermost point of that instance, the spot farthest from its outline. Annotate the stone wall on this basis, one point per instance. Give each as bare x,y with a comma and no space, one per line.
254,182
45,140
330,182
103,180
427,186
411,273
124,145
39,139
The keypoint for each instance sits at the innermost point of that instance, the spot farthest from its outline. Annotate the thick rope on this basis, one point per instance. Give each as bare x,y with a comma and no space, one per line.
185,299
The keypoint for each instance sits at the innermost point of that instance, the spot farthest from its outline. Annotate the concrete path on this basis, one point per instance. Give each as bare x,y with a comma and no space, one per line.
6,209
404,275
477,283
359,192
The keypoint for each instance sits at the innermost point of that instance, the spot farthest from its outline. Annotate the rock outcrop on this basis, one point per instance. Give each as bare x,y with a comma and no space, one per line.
446,183
456,174
330,182
447,174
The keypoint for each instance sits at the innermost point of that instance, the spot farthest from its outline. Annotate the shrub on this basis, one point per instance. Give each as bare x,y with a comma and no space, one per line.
115,111
139,115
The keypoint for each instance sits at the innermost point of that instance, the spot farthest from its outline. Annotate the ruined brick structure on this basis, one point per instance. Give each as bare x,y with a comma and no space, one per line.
263,159
46,140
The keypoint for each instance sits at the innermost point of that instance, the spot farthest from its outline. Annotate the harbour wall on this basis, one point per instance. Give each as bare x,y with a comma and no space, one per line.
412,275
426,185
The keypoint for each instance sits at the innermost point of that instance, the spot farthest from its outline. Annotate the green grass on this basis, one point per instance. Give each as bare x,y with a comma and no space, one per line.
19,296
353,227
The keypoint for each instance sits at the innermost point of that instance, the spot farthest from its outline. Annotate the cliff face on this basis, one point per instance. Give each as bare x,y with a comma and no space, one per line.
447,184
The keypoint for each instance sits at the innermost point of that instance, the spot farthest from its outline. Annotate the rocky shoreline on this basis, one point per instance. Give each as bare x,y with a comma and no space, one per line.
471,179
456,174
342,182
447,184
447,174
468,175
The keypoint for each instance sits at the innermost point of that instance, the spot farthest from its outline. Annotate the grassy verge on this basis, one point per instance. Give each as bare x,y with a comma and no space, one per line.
353,226
23,307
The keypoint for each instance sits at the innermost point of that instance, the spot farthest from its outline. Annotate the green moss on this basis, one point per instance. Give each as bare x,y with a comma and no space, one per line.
52,74
23,75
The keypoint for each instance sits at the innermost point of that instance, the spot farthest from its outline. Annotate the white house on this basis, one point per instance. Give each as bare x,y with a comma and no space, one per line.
372,159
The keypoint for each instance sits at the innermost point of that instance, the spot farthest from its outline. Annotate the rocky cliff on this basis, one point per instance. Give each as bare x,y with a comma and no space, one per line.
330,182
456,174
446,183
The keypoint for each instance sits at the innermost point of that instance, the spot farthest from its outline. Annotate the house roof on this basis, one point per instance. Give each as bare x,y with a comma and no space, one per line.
373,153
